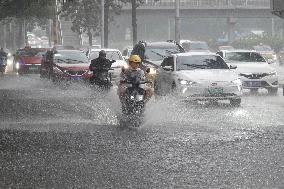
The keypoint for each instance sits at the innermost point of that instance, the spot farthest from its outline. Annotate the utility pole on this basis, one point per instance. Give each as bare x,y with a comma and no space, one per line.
134,22
177,21
102,23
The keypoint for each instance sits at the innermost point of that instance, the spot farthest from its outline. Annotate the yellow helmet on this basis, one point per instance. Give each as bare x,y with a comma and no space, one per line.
134,58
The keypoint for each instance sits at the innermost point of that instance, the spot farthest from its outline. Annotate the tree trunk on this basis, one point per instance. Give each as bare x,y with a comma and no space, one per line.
90,35
134,22
106,22
19,38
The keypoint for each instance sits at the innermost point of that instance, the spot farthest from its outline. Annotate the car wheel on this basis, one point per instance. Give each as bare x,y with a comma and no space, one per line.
41,75
53,79
174,86
236,102
272,91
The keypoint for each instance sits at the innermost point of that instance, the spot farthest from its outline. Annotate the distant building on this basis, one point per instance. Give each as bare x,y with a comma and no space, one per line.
277,7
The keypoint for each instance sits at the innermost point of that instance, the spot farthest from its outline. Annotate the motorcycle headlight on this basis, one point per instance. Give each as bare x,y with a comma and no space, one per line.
153,71
237,82
274,73
17,65
126,66
89,72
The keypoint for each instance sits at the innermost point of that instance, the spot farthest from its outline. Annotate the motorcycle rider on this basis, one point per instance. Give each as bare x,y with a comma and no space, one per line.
100,65
133,73
3,53
3,56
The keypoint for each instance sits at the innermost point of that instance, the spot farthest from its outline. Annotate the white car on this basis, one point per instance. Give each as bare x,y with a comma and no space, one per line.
253,69
198,76
112,54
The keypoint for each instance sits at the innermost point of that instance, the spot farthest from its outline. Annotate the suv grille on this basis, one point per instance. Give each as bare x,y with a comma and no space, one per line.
76,73
254,76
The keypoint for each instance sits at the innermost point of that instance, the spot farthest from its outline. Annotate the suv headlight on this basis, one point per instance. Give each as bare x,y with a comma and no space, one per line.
237,82
274,73
57,70
186,82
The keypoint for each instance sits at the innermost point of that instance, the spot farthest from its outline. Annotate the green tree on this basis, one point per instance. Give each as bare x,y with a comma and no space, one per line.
84,15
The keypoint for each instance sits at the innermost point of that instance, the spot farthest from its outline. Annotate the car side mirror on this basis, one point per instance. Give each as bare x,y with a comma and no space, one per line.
167,68
233,67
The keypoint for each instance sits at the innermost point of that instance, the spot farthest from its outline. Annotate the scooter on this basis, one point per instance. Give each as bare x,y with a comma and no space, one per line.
103,79
134,105
3,64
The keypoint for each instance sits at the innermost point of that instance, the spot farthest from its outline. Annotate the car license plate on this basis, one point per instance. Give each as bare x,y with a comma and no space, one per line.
76,78
254,84
215,90
33,68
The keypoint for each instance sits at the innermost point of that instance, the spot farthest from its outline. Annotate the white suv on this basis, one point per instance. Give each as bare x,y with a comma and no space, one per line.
253,69
198,76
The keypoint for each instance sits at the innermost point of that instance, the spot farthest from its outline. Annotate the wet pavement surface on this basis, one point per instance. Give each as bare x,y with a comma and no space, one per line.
57,137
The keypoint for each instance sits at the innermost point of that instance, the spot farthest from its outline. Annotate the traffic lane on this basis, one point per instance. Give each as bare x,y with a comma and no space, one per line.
178,146
32,100
126,158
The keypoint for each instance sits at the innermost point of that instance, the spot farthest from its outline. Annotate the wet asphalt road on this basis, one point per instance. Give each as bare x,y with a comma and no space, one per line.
52,137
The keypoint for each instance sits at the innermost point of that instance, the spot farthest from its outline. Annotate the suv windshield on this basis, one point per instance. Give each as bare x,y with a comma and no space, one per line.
244,57
158,54
198,46
200,62
112,55
262,48
70,57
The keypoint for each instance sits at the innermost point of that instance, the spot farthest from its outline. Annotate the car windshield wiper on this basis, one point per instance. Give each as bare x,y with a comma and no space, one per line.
72,60
196,66
172,52
60,60
163,56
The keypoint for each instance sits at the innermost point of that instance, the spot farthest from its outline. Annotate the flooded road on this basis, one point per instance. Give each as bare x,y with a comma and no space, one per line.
57,137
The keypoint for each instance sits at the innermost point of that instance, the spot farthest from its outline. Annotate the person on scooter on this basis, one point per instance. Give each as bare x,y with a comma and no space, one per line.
3,53
99,65
130,74
3,60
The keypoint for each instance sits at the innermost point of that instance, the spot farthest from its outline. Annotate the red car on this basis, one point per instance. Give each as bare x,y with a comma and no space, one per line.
28,60
65,65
